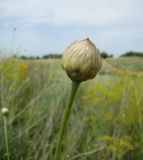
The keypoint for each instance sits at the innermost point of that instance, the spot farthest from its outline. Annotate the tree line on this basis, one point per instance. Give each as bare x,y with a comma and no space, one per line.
103,55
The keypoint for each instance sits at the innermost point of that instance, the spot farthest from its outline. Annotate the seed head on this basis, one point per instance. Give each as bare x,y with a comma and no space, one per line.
4,111
81,60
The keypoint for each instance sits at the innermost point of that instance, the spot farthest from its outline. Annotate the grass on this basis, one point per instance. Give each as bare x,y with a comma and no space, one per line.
126,63
105,122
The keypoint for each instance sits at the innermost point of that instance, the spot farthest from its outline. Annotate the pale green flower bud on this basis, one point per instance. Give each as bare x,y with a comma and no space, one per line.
81,60
4,111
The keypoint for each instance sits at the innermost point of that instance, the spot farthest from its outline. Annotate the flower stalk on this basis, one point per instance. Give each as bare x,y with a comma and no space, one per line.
74,88
6,137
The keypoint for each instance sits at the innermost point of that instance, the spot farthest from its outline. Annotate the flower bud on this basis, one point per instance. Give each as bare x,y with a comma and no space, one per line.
81,60
4,111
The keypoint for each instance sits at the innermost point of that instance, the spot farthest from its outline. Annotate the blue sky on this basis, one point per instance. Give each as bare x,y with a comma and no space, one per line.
44,26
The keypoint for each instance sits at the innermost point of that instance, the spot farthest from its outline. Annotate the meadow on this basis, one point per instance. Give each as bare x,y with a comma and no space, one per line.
106,121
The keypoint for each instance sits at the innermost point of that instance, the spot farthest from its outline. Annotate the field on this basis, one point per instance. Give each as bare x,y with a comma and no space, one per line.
106,121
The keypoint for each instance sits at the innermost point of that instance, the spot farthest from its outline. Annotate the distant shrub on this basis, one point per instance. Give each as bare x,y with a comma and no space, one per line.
132,53
29,58
105,55
52,55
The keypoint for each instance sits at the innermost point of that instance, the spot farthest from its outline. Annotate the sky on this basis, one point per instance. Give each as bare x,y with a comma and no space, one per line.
49,26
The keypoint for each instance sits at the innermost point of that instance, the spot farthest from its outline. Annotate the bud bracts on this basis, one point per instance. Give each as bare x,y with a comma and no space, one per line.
81,60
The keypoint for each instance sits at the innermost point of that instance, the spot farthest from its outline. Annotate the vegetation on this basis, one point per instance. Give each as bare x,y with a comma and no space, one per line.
132,54
105,55
106,121
52,55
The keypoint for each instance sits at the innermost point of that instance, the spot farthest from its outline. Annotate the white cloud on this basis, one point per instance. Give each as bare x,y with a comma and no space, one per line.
72,12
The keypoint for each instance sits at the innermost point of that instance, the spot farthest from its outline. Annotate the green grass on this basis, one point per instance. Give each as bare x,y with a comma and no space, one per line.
105,122
132,63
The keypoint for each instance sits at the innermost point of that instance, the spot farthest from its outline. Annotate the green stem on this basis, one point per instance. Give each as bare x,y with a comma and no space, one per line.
69,103
6,137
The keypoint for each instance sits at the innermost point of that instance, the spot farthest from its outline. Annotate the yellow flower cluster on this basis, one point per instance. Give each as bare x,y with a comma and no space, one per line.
117,146
13,69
